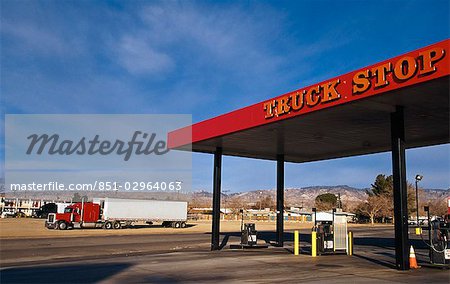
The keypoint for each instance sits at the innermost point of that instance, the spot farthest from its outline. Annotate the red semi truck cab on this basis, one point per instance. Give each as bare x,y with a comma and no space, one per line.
86,213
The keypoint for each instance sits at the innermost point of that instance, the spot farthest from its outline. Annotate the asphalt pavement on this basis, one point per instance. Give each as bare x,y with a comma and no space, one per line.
187,258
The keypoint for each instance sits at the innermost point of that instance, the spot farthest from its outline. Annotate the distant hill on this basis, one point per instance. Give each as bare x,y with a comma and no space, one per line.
304,196
436,193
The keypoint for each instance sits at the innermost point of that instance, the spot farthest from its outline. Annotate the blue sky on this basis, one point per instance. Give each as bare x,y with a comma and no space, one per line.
209,57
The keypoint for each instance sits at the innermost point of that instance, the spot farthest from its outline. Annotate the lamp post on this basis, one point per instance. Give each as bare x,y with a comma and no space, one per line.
339,202
427,209
418,178
224,192
260,201
334,212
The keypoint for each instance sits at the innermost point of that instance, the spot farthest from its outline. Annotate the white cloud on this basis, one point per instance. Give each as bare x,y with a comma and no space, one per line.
225,35
215,39
28,38
86,94
138,57
32,38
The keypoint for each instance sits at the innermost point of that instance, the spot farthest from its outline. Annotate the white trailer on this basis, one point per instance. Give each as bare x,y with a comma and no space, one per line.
129,211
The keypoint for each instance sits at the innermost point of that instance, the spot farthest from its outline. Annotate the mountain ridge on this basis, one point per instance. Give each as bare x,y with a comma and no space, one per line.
305,196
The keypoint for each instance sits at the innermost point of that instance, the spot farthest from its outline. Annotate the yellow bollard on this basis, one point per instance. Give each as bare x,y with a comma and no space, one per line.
296,243
350,244
418,231
313,244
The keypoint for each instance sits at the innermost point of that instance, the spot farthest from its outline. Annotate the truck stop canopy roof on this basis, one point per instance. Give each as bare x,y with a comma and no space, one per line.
344,116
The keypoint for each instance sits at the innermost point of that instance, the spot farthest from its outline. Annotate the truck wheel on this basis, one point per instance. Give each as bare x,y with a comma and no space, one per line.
177,225
62,225
117,225
108,225
183,225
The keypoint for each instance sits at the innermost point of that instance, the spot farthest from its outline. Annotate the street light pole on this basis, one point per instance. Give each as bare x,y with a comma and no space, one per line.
225,201
418,178
260,201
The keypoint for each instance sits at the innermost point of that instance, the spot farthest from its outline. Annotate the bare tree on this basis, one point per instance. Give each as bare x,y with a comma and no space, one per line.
373,207
383,188
236,203
350,206
199,202
438,206
267,202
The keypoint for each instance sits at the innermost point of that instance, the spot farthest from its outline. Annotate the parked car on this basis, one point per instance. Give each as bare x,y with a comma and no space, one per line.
7,213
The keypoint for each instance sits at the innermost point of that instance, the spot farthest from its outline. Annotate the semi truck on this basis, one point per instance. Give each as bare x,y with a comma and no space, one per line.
115,213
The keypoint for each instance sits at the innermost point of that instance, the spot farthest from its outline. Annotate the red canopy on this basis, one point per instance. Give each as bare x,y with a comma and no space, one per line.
344,116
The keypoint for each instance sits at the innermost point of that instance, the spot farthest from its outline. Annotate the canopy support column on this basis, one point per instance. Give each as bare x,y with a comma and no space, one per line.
217,175
280,200
400,189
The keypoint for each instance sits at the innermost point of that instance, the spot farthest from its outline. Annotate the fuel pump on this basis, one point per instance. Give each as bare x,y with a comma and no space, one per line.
330,232
325,243
439,242
248,236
